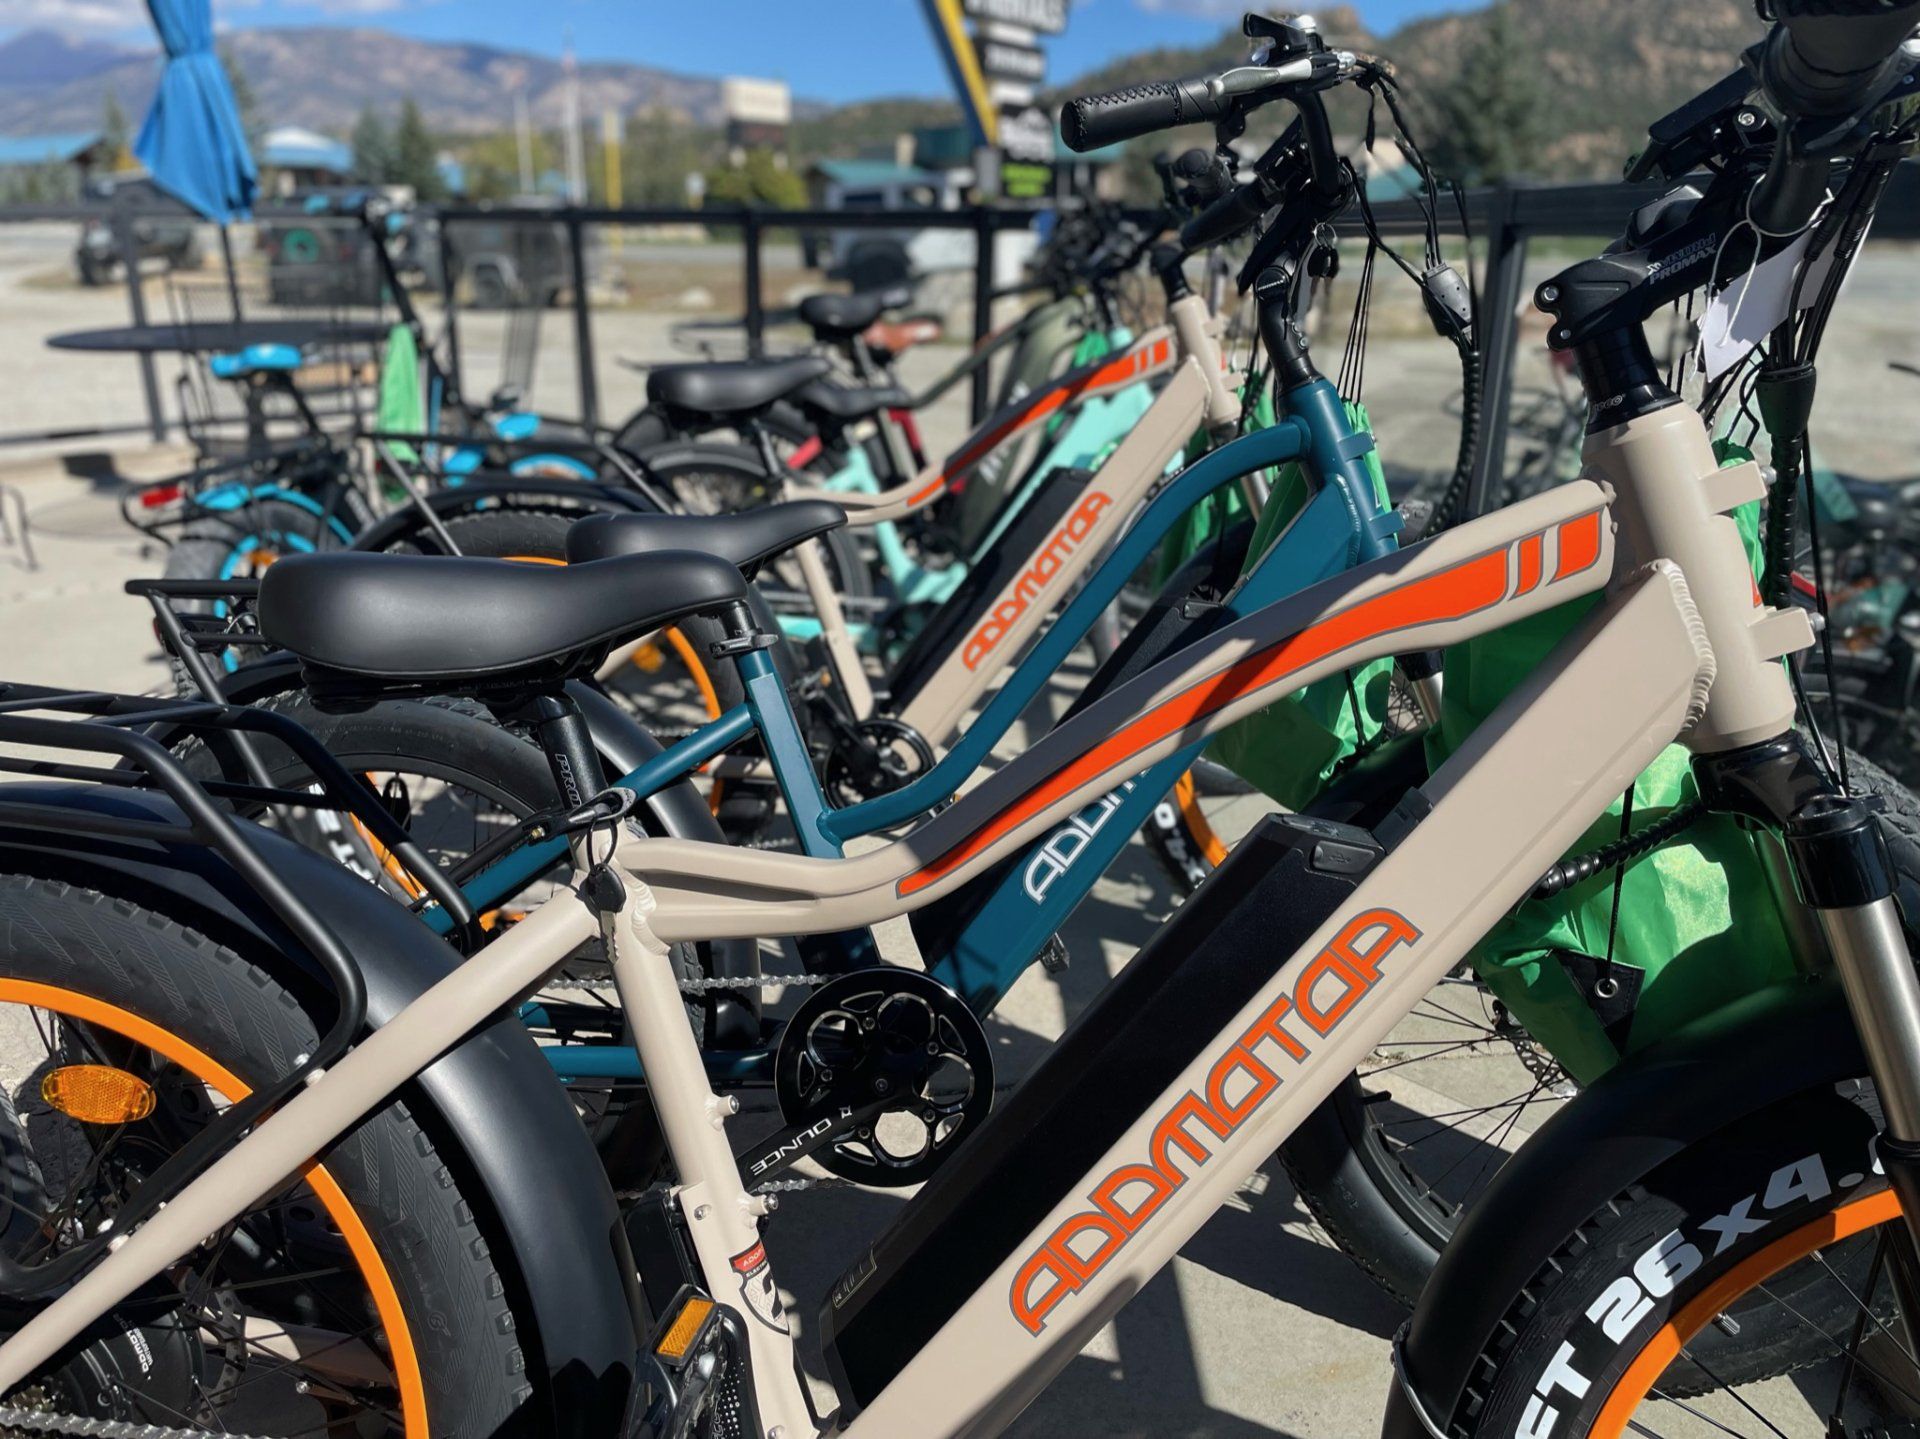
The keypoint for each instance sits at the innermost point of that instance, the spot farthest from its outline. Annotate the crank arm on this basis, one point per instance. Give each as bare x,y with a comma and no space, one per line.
769,1157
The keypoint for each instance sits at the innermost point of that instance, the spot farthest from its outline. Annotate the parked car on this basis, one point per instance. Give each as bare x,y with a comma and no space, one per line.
321,258
511,263
165,230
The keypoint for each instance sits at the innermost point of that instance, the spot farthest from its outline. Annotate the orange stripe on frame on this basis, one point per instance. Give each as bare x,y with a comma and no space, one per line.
1578,544
1464,589
1530,563
1123,370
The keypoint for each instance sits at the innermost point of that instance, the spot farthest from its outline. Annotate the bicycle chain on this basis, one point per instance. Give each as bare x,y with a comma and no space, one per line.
703,986
36,1421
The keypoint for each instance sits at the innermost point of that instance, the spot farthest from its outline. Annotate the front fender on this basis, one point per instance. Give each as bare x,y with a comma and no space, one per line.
1654,1104
493,1100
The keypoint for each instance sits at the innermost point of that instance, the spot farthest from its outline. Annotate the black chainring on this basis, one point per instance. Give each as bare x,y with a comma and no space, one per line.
884,1032
865,761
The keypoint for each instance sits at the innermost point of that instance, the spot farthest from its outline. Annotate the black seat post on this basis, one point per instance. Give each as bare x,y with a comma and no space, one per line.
892,442
561,732
763,442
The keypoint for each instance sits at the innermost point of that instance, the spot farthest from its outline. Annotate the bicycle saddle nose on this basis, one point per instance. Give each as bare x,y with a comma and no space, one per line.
365,623
838,317
732,387
747,539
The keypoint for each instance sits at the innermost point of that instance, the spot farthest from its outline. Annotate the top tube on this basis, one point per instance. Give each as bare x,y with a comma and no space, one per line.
1315,429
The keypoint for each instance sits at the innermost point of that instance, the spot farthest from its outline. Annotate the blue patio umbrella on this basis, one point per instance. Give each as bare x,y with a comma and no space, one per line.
192,142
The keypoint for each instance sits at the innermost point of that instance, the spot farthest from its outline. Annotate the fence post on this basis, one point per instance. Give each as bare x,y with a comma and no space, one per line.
1499,346
582,324
982,304
450,312
137,311
756,318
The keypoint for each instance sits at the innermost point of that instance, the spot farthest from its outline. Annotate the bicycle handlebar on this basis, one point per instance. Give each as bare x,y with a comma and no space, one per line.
1828,57
1824,60
1093,121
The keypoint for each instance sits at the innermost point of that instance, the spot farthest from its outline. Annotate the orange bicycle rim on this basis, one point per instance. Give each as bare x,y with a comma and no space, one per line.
1188,803
1665,1345
209,1071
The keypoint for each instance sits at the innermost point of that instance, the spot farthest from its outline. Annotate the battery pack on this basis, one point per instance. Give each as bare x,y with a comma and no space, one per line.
1277,886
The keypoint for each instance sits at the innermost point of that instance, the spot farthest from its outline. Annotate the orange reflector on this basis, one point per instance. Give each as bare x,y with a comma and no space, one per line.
649,656
684,1329
97,1094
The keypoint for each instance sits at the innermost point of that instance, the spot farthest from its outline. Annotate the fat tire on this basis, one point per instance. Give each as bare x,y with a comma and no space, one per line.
436,1240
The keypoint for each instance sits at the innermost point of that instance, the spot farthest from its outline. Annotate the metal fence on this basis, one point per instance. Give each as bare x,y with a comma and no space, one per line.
1504,222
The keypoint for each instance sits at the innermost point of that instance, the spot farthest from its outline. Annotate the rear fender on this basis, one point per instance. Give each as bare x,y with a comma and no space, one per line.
467,497
493,1099
1722,1068
676,812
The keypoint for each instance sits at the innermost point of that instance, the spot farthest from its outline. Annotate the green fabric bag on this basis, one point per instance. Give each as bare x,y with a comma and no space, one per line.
403,404
1697,917
1219,512
1679,903
1291,748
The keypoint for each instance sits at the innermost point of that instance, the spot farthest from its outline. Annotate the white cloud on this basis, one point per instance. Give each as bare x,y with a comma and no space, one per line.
72,17
349,7
115,19
1202,9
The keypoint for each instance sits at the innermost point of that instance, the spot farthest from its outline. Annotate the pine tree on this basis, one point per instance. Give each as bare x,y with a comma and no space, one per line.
114,136
372,149
415,161
1493,114
253,122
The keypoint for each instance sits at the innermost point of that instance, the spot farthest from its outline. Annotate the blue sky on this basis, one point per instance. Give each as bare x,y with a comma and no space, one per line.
830,49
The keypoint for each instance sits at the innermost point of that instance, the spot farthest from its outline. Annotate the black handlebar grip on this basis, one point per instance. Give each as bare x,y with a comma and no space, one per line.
1827,57
1096,120
1226,217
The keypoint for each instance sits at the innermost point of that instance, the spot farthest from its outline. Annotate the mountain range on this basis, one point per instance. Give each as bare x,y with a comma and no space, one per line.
321,77
1604,68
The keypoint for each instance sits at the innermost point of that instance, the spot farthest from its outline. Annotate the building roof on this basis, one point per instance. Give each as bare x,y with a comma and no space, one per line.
873,174
292,148
46,149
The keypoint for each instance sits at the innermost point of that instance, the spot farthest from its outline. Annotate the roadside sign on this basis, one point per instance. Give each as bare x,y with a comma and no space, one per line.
1026,149
1049,17
1003,61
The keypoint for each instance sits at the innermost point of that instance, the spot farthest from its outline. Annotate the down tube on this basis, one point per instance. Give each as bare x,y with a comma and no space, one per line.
1275,445
1521,790
1049,879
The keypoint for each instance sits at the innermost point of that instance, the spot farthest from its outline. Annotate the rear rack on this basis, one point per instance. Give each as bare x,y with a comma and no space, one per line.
290,462
102,723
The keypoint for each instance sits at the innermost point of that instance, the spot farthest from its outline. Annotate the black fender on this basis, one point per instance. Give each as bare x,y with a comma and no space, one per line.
1728,1065
460,499
493,1100
675,812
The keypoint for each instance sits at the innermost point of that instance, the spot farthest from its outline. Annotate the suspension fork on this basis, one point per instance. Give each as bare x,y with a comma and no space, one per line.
1843,875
